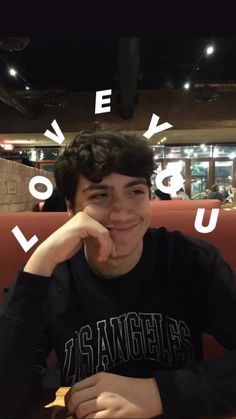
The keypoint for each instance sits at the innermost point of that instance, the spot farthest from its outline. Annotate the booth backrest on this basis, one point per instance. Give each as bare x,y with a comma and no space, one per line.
12,256
185,204
223,237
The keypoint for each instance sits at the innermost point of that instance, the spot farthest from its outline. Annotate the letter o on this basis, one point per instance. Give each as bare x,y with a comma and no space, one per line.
40,195
177,181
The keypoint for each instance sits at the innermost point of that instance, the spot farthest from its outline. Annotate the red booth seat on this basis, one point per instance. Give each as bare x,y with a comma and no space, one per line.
185,204
12,256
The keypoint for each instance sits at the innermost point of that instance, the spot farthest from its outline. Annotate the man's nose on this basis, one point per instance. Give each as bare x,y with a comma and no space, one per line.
120,205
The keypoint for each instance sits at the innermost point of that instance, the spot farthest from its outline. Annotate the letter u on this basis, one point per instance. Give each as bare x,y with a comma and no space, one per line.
212,222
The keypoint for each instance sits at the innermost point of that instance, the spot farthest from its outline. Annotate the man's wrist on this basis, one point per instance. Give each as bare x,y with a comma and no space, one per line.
156,397
39,263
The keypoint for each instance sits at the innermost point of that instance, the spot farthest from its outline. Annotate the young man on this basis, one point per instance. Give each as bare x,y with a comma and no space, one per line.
124,306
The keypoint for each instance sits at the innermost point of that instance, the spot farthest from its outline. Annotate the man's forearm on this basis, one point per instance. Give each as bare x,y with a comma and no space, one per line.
39,263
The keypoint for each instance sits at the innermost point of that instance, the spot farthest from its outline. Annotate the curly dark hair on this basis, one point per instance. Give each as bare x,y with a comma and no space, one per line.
95,154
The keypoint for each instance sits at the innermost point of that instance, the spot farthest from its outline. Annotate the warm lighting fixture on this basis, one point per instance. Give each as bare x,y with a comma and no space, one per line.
186,85
27,87
12,72
7,146
209,50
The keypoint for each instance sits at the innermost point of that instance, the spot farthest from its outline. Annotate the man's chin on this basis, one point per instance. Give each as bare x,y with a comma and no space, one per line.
122,250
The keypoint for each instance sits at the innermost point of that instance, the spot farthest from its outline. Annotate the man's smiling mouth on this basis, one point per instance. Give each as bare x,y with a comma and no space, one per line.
121,228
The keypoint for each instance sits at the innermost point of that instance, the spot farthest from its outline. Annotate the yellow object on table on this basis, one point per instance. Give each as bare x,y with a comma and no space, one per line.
54,409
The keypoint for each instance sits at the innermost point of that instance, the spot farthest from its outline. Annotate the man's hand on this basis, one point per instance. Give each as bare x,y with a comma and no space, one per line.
66,241
105,395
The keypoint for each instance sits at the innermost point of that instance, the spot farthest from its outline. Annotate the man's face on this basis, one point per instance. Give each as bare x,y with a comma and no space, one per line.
120,203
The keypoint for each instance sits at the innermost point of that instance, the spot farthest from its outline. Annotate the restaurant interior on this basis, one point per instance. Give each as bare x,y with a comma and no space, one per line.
189,83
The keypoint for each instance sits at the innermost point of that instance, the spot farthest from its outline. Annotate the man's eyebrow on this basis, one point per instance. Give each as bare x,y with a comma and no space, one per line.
95,186
103,186
140,181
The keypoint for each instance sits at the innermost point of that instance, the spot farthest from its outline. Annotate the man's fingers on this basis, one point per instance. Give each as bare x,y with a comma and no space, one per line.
98,231
87,408
87,382
80,397
105,246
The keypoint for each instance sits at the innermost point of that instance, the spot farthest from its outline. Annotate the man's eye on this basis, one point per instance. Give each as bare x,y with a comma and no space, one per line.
99,196
137,191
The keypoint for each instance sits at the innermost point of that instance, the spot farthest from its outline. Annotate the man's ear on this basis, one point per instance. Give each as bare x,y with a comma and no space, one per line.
69,209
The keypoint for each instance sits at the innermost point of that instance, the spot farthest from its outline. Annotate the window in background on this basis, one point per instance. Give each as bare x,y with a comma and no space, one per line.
199,178
179,167
174,152
158,169
224,151
47,166
48,153
187,152
158,152
224,173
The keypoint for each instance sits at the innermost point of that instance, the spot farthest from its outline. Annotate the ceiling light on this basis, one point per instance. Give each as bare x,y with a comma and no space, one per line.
187,86
27,87
7,146
209,50
12,72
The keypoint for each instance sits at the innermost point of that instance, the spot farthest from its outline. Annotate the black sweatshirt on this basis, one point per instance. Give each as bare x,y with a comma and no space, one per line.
146,323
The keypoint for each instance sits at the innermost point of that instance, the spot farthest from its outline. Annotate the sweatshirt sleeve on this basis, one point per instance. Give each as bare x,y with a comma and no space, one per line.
21,329
207,388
